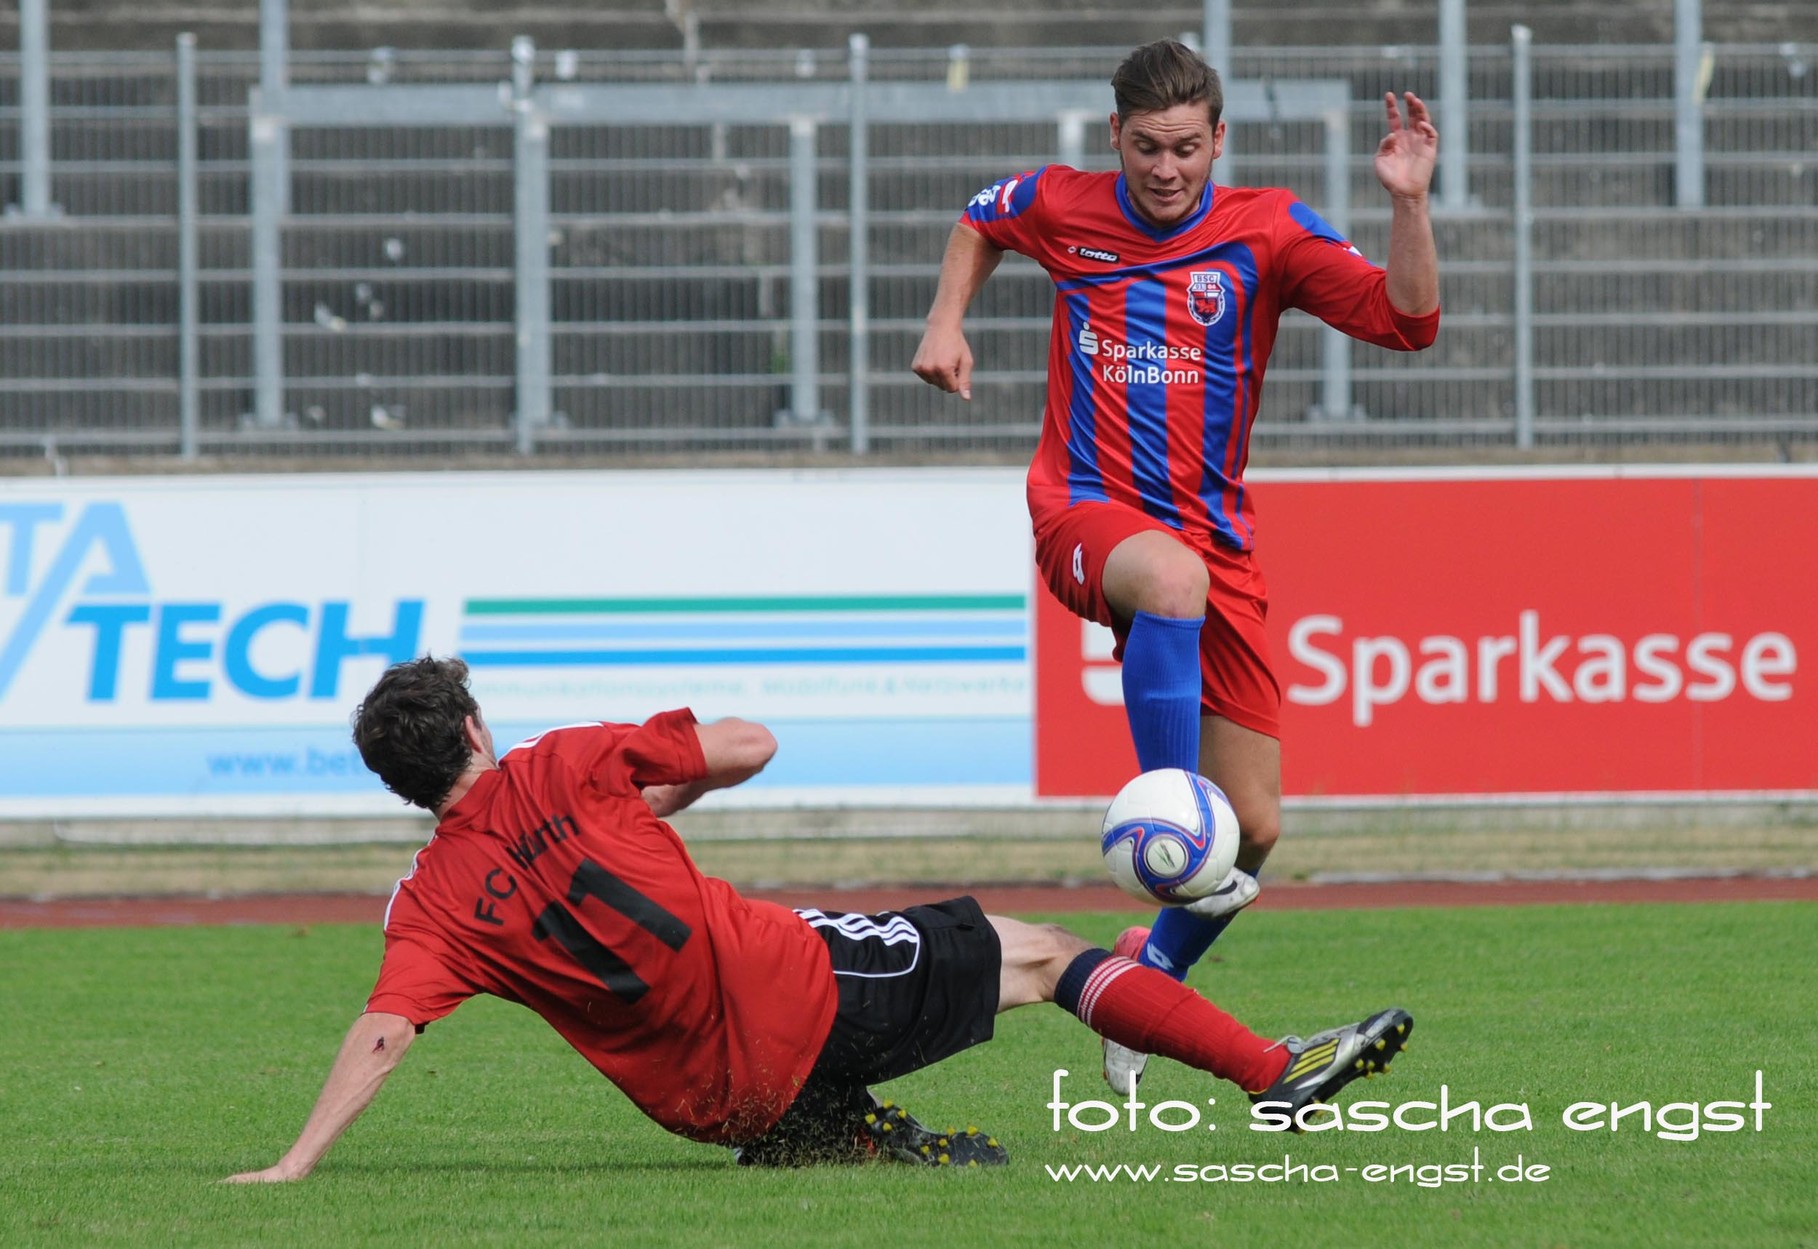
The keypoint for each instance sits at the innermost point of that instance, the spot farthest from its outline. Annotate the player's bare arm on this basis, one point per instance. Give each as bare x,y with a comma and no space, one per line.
735,750
373,1047
944,358
1404,166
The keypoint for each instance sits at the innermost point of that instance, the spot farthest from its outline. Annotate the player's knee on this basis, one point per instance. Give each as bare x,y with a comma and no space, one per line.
1157,574
1177,590
1065,945
1034,956
1054,952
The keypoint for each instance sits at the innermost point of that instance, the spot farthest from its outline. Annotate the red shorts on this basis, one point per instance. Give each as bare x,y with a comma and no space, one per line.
1236,673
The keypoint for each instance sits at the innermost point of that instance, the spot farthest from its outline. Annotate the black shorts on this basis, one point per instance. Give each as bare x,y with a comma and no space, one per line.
915,986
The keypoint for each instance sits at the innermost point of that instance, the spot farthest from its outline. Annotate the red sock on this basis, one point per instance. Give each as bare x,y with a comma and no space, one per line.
1151,1013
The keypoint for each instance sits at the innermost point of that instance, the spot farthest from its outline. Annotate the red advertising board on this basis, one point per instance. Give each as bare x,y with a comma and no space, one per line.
1506,635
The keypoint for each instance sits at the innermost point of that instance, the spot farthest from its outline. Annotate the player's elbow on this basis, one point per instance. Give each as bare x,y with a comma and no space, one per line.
1412,331
1422,334
386,1038
760,747
746,746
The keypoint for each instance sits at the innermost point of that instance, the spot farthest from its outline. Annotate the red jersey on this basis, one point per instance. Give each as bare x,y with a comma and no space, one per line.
551,884
1161,336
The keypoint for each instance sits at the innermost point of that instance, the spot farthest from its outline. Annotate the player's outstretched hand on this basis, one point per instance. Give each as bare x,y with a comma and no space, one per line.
944,360
1404,159
270,1175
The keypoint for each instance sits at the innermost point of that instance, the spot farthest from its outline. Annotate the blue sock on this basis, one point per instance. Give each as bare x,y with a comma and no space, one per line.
1161,690
1161,698
1180,939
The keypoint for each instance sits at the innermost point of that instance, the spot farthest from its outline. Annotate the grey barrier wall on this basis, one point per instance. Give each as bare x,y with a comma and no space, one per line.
680,315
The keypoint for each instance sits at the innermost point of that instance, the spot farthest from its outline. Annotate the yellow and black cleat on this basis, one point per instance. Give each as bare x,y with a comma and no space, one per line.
1324,1063
899,1135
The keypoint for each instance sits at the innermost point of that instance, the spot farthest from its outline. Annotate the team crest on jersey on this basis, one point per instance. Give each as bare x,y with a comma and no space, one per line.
1206,296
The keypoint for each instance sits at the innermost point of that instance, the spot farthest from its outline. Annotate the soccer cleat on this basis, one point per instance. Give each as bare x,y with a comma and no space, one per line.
1238,890
897,1134
1123,1065
1325,1062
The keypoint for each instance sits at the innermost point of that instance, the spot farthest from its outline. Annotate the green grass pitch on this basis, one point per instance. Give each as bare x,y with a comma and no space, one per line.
143,1065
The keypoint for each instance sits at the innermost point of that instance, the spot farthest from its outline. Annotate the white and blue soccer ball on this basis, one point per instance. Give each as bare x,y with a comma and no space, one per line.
1170,837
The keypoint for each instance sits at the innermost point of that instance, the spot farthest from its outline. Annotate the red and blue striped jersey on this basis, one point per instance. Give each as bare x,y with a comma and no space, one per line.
1161,336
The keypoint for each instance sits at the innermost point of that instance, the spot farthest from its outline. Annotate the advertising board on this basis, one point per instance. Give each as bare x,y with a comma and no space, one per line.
1518,633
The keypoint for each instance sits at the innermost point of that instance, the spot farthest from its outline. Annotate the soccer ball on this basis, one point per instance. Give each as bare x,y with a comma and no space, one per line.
1170,837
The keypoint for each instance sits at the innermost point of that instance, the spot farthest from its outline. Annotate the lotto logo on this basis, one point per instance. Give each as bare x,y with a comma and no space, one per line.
1003,199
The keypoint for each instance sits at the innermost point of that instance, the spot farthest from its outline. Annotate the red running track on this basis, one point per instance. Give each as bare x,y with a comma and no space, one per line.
1283,896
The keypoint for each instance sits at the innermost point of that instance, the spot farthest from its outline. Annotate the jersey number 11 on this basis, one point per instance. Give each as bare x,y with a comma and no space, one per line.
593,881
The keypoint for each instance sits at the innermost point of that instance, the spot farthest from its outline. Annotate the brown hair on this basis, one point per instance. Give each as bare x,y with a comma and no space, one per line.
1163,74
410,728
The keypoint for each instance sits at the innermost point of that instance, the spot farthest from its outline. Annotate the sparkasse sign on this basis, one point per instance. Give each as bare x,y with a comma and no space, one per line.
1465,634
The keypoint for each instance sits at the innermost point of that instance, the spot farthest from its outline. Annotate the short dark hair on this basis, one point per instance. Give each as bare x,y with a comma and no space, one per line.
1162,74
410,728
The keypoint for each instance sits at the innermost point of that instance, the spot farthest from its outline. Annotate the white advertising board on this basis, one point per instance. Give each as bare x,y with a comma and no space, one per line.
194,646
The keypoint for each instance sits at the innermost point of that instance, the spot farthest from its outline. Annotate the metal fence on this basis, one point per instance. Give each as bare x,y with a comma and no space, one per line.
678,318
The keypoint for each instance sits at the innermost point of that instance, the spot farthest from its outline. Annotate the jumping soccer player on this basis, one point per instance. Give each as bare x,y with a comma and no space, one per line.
1168,294
552,881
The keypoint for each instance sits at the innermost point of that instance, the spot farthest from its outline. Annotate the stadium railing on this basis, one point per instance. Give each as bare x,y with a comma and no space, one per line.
1657,330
